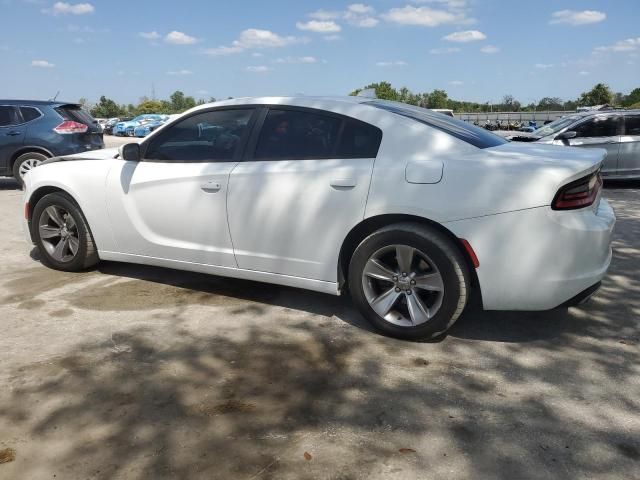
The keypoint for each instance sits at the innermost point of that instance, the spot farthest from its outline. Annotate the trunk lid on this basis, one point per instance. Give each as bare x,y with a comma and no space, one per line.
93,137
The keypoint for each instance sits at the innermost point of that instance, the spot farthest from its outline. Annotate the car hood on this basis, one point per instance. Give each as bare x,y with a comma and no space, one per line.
104,154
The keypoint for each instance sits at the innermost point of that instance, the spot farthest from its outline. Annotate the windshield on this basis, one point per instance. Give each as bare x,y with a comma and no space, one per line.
555,126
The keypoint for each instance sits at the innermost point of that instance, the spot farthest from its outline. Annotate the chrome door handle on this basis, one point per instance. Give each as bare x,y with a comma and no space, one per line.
211,187
343,182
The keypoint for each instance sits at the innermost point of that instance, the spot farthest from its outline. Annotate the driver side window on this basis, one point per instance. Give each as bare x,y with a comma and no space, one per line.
209,136
598,127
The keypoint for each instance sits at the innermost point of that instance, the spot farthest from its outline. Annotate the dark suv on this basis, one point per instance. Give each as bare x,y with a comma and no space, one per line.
32,131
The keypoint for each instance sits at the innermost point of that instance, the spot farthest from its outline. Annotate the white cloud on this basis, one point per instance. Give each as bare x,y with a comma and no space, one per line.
307,60
361,15
543,66
425,16
319,26
332,38
583,72
180,38
443,51
149,35
325,15
628,45
180,72
574,17
465,36
396,63
489,49
257,69
253,38
257,54
456,83
64,8
41,64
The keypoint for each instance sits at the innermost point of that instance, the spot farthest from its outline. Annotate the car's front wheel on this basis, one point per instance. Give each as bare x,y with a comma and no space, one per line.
62,234
409,281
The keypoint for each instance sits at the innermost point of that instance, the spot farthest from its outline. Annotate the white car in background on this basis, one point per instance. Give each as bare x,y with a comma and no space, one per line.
410,211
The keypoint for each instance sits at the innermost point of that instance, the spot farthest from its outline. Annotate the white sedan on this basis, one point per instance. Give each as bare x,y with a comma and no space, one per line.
409,210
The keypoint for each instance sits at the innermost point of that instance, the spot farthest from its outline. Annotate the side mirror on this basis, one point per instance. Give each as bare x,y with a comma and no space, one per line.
130,152
566,135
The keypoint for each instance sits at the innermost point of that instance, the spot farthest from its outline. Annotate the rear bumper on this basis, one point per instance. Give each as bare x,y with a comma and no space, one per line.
539,259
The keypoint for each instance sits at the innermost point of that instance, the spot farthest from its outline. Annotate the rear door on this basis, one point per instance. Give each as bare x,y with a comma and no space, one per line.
629,155
601,131
12,131
302,188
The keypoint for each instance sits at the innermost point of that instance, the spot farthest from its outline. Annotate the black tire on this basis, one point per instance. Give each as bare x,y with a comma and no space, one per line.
444,256
86,255
25,157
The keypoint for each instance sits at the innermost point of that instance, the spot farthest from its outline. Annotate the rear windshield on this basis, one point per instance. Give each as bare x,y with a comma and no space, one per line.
476,136
75,113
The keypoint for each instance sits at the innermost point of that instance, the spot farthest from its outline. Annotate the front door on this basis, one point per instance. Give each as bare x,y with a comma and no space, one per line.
172,204
303,187
602,131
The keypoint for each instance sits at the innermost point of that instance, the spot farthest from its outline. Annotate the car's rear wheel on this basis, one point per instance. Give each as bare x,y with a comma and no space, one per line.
62,234
409,281
25,163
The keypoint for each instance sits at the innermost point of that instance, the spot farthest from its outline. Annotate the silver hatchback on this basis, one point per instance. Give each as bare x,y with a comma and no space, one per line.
617,131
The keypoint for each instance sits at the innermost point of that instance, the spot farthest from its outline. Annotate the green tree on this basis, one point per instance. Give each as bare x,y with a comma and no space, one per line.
438,99
107,108
600,94
180,103
384,91
149,106
632,98
550,103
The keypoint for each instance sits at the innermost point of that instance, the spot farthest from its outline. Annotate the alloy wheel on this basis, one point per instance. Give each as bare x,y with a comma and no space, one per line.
403,285
28,165
59,233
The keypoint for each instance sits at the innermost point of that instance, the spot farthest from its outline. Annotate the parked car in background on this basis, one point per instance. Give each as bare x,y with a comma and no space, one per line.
145,128
32,131
409,210
127,128
616,131
110,123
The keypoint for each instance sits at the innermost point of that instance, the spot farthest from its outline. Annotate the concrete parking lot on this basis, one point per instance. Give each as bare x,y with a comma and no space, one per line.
137,372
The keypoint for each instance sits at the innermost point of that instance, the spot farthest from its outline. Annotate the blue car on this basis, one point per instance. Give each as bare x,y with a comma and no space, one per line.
121,129
146,128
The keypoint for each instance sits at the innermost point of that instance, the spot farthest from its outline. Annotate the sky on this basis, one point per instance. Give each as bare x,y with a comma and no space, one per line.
476,50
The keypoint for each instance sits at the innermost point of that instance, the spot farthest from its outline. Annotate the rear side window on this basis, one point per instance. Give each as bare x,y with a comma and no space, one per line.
632,125
359,140
29,113
208,136
8,116
75,114
476,136
294,134
598,127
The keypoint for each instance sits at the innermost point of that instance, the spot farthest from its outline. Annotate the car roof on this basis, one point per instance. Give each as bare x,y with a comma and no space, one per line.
35,102
618,111
300,100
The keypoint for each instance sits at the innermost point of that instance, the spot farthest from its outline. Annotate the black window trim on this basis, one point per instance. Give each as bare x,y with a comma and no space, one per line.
144,146
252,144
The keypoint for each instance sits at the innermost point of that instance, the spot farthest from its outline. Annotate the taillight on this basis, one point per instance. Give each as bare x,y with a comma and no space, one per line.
578,194
69,126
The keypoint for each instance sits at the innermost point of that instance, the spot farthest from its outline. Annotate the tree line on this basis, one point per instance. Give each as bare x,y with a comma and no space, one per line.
178,102
600,94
